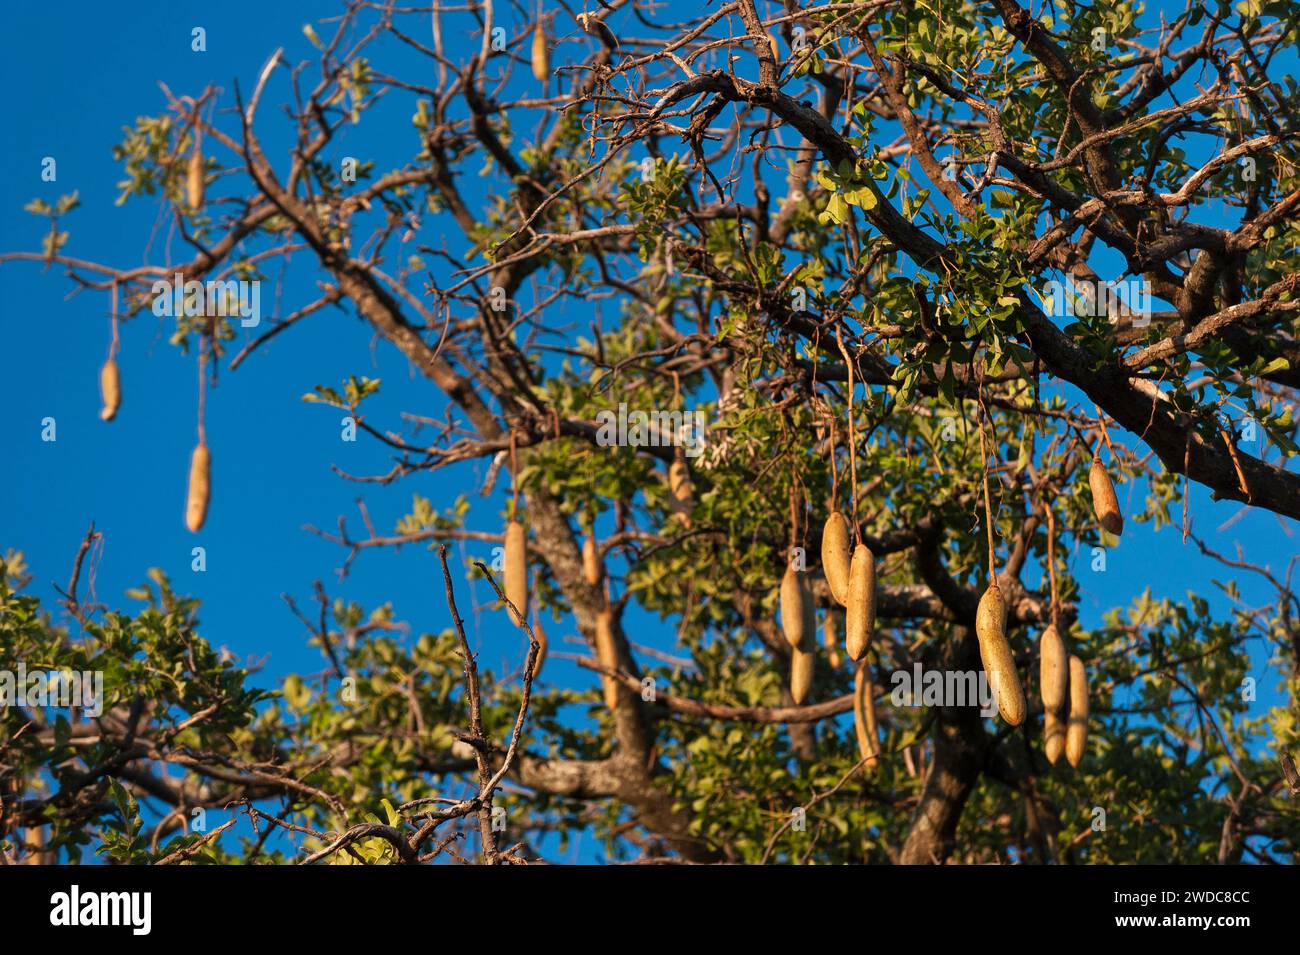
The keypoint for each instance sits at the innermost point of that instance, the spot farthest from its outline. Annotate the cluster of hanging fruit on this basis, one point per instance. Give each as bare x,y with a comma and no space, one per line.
1063,678
851,581
1063,683
852,584
199,492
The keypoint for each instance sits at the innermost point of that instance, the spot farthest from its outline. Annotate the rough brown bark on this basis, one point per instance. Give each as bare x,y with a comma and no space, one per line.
960,744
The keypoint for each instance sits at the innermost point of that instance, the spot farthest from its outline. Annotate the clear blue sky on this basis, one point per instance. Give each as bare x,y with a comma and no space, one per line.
77,73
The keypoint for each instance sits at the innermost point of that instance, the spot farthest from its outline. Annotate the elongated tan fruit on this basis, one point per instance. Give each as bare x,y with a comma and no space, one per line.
860,611
592,568
1076,734
1053,736
805,652
776,50
796,602
995,653
835,557
679,488
516,570
809,617
801,671
541,55
831,640
864,717
607,654
542,646
196,505
1053,670
194,181
110,389
1104,501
